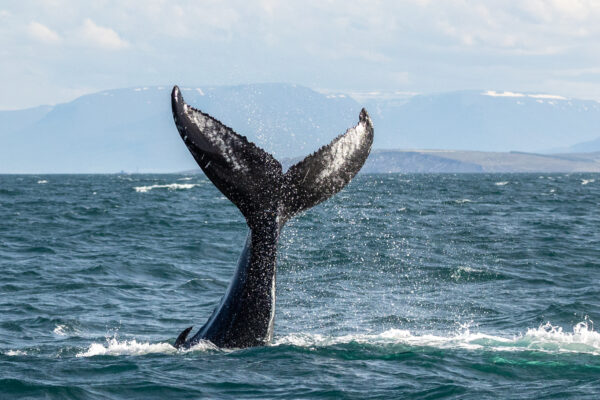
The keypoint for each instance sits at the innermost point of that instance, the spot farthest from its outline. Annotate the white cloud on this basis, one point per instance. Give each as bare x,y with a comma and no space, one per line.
532,46
42,33
99,36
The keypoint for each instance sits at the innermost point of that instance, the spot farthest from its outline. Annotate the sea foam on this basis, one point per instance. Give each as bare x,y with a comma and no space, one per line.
60,330
14,353
546,338
114,347
171,186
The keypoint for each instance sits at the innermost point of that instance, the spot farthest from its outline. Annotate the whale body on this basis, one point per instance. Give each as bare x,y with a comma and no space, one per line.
253,180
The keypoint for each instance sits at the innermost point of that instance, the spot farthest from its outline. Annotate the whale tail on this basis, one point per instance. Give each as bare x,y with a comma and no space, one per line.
253,179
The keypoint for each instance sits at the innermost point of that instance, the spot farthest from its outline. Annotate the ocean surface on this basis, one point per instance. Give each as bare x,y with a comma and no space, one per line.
401,286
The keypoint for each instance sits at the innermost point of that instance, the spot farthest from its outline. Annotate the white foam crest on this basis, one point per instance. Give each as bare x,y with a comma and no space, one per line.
501,183
546,338
458,273
171,186
586,181
42,181
114,347
65,330
14,353
60,330
462,201
202,345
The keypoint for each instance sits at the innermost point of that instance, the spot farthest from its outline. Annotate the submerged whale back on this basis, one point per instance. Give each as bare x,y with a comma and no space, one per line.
253,180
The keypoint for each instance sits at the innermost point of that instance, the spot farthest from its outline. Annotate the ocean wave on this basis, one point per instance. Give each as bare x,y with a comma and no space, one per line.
64,330
14,353
60,330
462,201
171,186
42,181
501,183
114,347
586,181
546,338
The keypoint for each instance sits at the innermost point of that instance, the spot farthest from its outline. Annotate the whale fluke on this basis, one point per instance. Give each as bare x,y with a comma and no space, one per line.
326,171
253,180
246,174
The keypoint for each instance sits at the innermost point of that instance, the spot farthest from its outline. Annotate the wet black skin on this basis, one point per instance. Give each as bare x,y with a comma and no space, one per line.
253,180
245,316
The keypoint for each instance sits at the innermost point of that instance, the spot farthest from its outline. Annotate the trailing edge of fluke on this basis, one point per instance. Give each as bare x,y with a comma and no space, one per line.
254,181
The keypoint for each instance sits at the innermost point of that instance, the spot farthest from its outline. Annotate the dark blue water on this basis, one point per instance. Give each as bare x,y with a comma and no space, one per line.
402,286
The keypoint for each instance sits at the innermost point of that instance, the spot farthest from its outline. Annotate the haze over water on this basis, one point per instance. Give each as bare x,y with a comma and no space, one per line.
419,286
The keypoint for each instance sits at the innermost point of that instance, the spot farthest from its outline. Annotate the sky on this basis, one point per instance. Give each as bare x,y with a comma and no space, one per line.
52,51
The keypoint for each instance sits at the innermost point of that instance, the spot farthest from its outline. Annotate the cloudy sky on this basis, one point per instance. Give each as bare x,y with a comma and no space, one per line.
52,51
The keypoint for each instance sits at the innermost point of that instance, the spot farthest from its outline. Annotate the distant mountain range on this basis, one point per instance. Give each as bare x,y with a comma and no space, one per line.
132,129
454,161
487,121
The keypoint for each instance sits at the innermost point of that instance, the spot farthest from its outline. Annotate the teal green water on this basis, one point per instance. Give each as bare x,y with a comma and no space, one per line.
402,286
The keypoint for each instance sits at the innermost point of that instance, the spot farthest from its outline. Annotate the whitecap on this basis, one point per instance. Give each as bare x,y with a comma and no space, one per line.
586,181
171,186
462,201
114,347
501,183
65,330
13,353
546,338
552,338
460,271
60,330
42,181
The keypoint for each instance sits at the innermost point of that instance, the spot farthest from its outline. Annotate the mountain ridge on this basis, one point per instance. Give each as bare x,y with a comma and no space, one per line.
131,129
